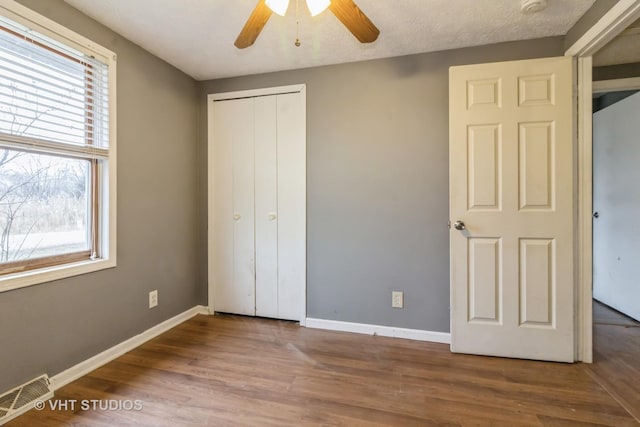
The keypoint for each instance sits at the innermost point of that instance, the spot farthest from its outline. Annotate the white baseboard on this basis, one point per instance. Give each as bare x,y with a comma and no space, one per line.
83,368
385,331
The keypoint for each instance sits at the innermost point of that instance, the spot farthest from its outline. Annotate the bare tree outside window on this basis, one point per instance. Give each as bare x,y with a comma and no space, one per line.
44,205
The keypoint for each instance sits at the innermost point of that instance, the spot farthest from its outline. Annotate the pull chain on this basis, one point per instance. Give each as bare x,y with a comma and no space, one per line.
297,42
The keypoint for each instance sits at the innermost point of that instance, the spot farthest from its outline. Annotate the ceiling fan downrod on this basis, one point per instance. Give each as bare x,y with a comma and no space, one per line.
297,42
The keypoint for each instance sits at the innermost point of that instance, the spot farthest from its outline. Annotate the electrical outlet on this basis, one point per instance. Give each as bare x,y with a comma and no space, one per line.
153,298
397,299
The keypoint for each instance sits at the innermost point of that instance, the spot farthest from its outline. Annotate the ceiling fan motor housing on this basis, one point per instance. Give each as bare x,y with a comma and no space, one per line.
533,6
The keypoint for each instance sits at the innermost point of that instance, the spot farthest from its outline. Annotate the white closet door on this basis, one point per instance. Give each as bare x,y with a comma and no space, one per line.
266,207
234,207
257,205
292,208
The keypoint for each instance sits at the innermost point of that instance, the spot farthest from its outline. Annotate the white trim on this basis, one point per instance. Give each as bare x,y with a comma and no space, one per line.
211,256
211,239
617,85
256,92
47,147
303,309
616,20
10,282
109,225
584,318
83,368
385,331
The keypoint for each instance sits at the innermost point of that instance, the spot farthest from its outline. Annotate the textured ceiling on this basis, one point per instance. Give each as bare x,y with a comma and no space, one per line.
197,36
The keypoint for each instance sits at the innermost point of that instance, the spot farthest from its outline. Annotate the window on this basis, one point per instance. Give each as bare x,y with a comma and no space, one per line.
57,151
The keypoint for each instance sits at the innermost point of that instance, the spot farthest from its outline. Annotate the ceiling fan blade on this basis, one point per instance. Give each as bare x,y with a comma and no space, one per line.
355,20
253,26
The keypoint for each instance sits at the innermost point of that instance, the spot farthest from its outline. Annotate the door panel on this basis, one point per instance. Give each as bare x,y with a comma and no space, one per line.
223,206
537,282
292,206
484,280
234,220
243,209
616,230
536,169
485,177
266,208
511,183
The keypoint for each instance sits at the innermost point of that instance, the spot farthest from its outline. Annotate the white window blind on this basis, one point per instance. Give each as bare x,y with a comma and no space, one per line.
53,98
58,173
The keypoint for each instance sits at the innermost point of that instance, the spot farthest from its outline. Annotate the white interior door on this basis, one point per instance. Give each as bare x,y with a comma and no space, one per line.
511,185
616,199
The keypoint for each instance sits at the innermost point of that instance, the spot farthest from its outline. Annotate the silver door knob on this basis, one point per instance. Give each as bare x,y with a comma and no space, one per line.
272,217
459,225
236,217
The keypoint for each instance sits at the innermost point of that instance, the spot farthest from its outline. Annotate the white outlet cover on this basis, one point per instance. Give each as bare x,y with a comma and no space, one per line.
153,299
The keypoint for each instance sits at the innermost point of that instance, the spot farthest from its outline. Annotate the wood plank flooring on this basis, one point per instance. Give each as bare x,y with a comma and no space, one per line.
232,370
617,356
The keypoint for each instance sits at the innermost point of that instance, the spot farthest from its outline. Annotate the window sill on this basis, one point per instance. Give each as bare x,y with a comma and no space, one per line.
34,277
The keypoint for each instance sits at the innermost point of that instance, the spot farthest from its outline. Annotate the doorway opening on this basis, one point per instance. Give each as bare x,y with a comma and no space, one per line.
616,200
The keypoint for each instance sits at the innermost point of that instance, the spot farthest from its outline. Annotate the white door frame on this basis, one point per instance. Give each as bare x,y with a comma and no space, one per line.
616,85
616,20
299,88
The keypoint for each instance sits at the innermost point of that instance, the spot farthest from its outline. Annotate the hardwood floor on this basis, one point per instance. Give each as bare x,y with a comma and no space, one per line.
617,356
232,370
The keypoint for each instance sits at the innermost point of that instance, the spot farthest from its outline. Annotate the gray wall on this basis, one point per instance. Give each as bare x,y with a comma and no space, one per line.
377,181
613,72
608,99
50,327
588,20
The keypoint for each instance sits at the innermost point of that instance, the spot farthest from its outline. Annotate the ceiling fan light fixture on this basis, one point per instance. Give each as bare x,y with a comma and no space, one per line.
347,12
533,6
278,6
316,7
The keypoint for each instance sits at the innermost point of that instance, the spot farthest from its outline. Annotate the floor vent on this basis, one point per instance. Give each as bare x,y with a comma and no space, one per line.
22,398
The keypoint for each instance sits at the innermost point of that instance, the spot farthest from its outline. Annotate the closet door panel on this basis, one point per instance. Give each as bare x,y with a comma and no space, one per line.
243,209
234,221
266,207
291,153
223,113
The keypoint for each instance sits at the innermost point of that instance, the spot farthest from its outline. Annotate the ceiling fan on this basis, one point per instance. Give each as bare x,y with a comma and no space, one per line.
345,10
